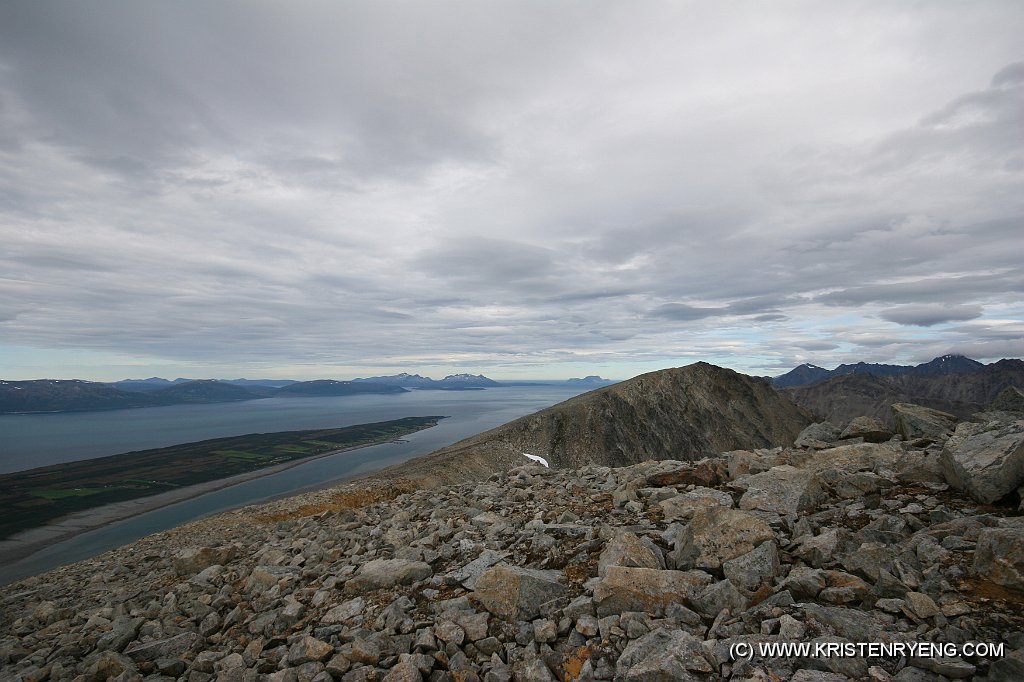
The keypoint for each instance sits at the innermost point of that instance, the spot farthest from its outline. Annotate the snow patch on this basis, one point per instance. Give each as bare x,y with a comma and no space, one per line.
535,458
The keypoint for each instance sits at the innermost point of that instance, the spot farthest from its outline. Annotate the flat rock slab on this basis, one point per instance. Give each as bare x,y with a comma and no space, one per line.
646,589
163,648
381,573
469,574
191,560
516,593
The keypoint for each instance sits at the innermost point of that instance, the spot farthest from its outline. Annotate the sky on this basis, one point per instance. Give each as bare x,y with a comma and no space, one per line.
529,189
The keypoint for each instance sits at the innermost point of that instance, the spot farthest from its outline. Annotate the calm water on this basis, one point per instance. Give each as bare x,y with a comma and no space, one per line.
28,441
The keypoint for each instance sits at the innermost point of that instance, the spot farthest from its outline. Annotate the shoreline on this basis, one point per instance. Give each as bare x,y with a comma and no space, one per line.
27,543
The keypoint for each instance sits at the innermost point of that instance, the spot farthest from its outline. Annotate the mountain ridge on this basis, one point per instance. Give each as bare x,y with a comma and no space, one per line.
841,398
807,373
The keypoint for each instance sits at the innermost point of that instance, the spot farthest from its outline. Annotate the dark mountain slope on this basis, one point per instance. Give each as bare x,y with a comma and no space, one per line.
71,395
841,398
684,413
208,391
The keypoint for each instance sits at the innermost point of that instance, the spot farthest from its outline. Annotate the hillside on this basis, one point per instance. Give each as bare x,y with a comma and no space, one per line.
683,413
841,398
72,395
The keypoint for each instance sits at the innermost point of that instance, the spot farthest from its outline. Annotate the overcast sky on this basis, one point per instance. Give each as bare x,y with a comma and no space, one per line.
525,189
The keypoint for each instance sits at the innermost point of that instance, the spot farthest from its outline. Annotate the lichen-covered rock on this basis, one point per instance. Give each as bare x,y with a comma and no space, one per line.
645,589
999,556
663,655
629,549
516,593
381,573
718,534
986,459
757,567
784,490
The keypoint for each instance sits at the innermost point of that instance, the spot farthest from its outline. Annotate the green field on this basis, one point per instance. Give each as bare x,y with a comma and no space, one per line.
38,496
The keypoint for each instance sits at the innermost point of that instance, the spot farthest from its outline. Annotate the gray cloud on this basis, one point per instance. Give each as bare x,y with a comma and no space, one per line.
521,187
930,315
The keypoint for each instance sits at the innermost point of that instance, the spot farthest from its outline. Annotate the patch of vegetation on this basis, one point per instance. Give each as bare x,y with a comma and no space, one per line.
36,497
61,493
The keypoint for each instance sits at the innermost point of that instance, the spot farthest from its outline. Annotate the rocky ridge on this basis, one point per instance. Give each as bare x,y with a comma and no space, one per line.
684,413
841,398
646,572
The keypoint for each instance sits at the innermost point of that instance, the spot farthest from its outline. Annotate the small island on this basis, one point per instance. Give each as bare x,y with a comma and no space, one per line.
37,497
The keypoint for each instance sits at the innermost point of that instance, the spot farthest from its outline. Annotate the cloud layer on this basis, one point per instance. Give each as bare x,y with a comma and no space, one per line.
529,189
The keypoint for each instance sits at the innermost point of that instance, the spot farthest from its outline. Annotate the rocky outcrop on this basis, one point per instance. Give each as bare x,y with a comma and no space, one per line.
544,574
819,435
986,459
922,424
866,428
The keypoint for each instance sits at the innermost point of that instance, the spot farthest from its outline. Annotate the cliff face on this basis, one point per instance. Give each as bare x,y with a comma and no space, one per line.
683,413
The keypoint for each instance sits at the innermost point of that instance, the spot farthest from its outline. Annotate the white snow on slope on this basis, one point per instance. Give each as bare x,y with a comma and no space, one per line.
535,458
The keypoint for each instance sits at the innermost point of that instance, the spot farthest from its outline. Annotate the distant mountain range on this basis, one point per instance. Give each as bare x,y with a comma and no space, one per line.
50,395
592,380
156,383
951,383
809,374
452,382
53,395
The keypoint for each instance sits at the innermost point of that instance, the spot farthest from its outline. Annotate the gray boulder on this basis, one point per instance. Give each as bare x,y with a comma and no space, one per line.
683,507
718,534
999,556
629,549
784,490
516,593
163,648
986,459
645,589
917,423
818,436
871,429
381,573
755,568
663,655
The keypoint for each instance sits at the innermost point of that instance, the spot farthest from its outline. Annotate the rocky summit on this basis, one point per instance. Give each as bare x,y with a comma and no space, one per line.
653,571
